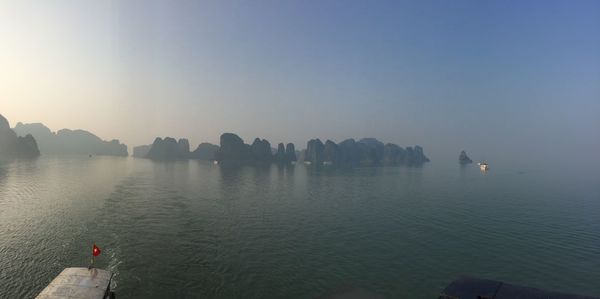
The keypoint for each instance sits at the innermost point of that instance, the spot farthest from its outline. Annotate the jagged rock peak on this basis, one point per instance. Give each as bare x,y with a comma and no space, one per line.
463,158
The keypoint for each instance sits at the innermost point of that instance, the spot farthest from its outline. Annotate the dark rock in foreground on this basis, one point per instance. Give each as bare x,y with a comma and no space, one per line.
463,158
12,146
65,141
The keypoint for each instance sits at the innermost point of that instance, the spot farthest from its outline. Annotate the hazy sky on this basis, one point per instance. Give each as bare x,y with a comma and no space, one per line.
490,77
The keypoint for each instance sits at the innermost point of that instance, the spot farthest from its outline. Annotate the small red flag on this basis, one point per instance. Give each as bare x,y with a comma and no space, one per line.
96,250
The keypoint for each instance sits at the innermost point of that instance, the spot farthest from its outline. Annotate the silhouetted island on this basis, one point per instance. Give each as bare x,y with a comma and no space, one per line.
365,152
205,151
13,146
285,154
233,151
67,141
463,158
169,149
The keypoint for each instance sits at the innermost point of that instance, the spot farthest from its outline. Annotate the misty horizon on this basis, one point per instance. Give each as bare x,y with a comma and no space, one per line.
489,78
299,149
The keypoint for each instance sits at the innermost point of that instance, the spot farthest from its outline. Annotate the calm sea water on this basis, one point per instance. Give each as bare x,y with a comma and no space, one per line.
197,230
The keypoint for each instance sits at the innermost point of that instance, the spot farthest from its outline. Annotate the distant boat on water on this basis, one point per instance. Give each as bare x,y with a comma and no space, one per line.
483,166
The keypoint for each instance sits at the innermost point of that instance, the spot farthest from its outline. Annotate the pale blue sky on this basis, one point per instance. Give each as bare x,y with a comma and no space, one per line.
493,77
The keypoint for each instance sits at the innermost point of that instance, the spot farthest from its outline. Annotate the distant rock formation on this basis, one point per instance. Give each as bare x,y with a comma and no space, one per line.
350,153
183,146
374,151
331,153
141,151
464,159
415,156
314,151
290,152
261,151
205,151
169,149
393,155
233,150
12,146
280,155
285,154
67,141
365,152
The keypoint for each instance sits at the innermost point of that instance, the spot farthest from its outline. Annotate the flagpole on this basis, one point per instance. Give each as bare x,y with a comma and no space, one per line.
92,260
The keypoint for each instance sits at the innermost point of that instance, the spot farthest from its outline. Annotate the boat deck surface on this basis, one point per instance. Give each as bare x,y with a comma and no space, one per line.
78,283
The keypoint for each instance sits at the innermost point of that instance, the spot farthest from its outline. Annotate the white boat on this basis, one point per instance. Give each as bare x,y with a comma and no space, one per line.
483,166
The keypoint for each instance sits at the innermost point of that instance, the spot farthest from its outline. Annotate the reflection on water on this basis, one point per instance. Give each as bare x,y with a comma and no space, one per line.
195,229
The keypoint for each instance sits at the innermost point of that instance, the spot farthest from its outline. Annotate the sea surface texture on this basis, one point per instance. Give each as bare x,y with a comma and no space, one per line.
191,229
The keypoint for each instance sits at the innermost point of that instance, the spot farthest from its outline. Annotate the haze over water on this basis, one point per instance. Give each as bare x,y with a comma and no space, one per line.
515,83
502,80
194,229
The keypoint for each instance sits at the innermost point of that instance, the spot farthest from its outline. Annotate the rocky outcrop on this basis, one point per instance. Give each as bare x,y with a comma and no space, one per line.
183,146
285,154
331,153
365,152
463,158
13,146
205,151
65,141
314,151
350,154
290,152
169,149
393,155
415,156
233,150
280,156
261,151
141,151
373,153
